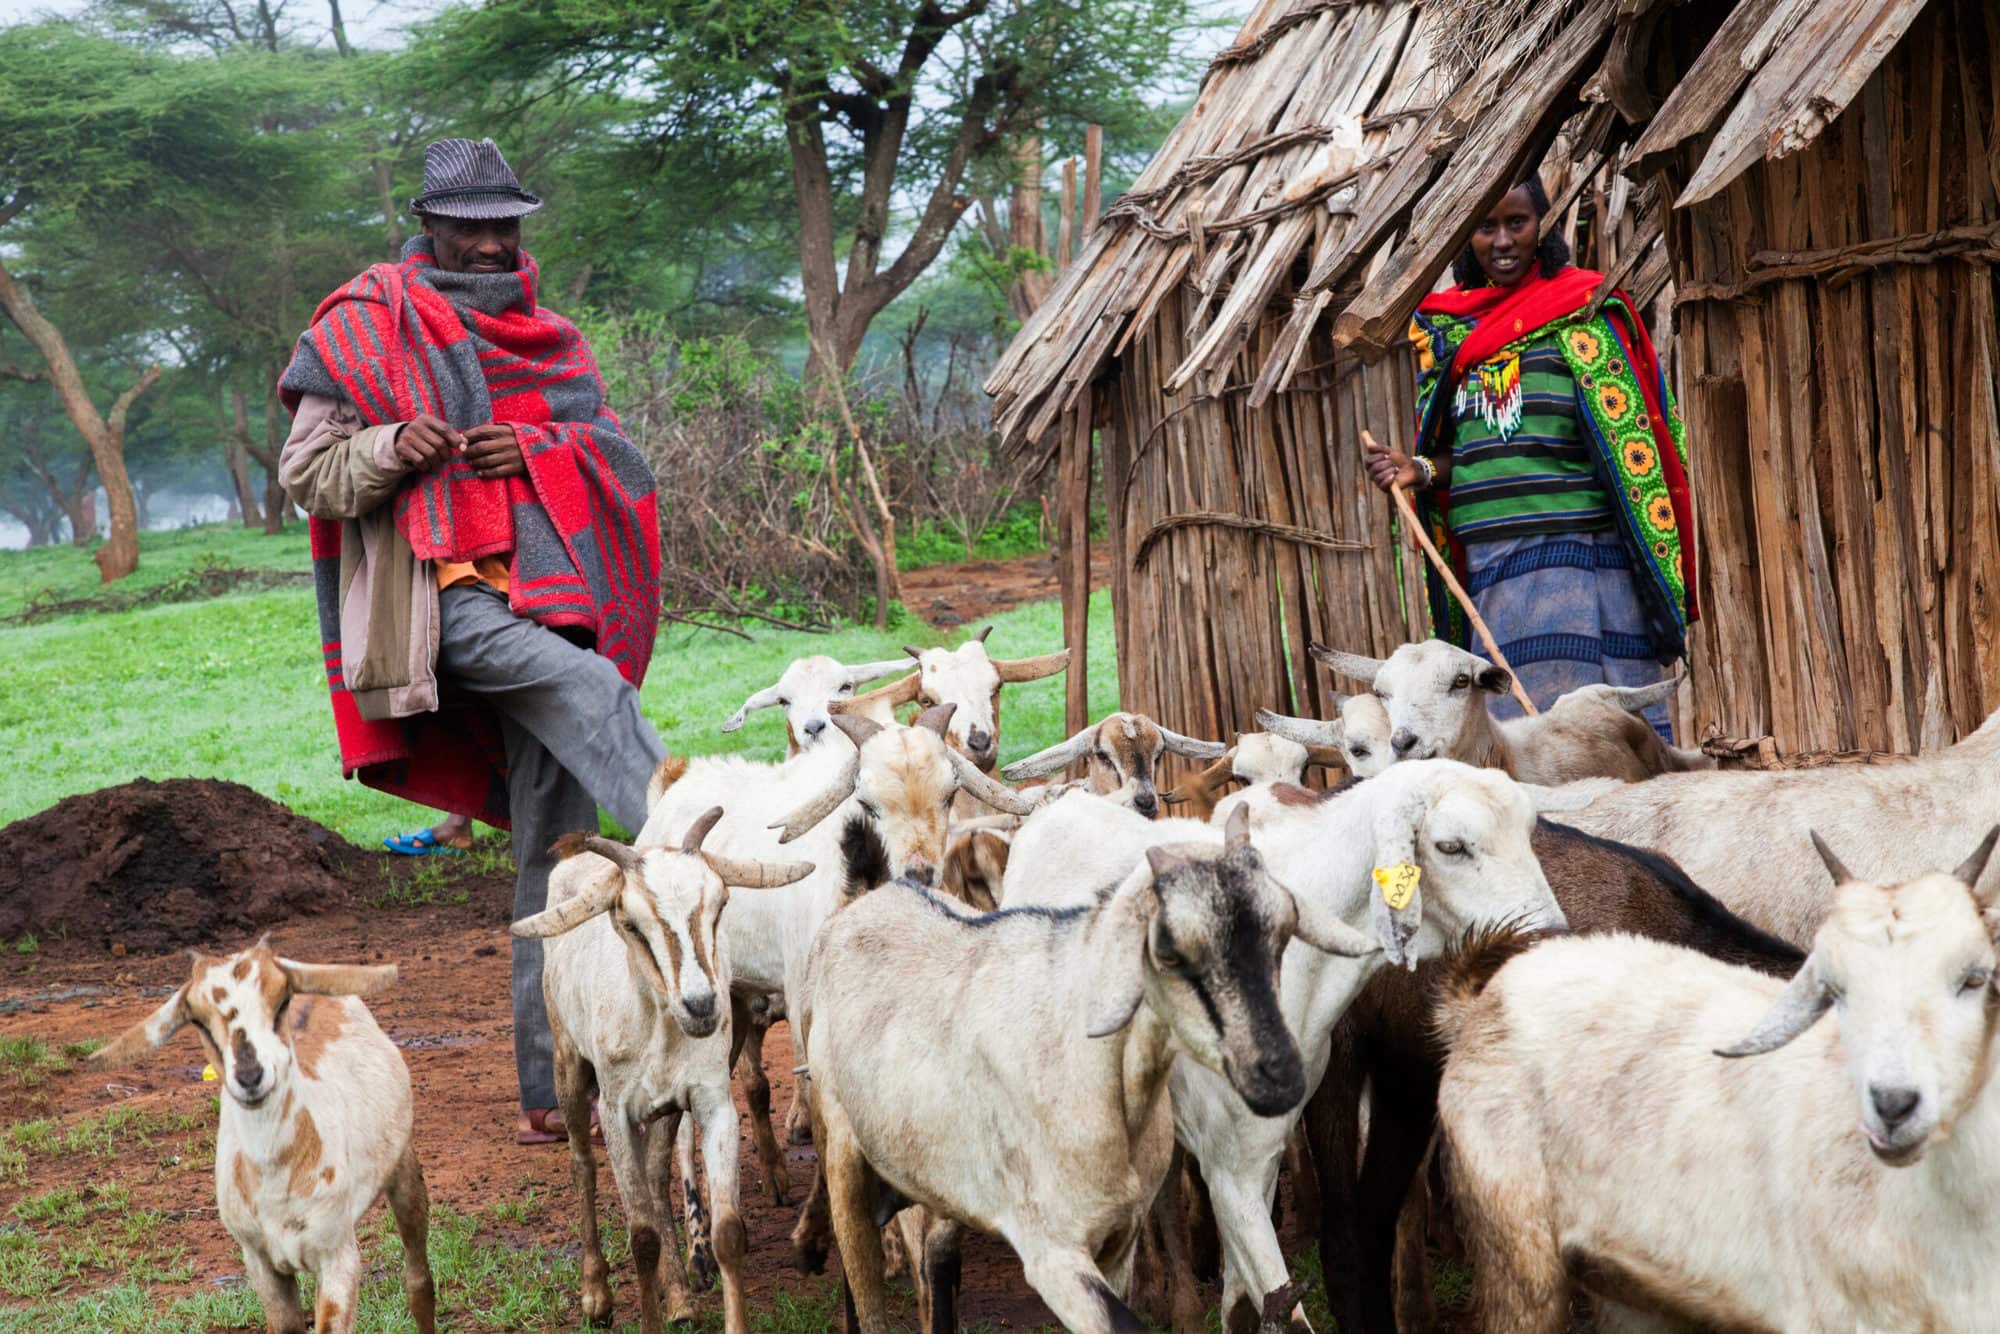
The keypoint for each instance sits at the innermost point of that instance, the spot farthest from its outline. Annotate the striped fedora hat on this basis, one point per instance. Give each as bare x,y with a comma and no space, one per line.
467,178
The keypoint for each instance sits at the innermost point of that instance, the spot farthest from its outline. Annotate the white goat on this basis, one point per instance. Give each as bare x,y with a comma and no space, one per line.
1739,832
901,778
1072,1138
804,691
1436,696
636,975
1596,1139
1361,734
1465,831
315,1126
963,676
1124,751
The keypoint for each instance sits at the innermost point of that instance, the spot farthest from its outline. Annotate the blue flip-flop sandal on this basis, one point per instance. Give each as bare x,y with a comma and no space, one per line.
423,843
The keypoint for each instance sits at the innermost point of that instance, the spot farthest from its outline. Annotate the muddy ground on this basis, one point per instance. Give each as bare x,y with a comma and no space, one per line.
449,1013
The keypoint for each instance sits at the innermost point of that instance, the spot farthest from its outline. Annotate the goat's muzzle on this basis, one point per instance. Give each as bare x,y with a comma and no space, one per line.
1403,742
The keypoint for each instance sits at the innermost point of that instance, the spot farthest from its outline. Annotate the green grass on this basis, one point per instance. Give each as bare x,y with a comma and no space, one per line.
233,687
65,572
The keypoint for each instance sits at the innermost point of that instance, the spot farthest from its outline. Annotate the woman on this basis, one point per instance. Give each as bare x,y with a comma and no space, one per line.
1549,462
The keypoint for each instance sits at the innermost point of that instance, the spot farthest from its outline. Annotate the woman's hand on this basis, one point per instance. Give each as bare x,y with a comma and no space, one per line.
1387,467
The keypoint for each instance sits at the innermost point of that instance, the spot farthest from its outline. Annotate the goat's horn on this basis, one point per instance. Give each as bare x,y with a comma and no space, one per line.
754,874
936,718
763,699
1049,759
979,785
696,832
1188,746
1305,731
618,854
868,671
1841,875
854,728
578,908
1346,664
898,692
825,804
981,636
1974,866
1030,669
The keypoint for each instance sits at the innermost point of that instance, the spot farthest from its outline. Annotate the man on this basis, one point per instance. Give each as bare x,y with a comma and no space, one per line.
485,548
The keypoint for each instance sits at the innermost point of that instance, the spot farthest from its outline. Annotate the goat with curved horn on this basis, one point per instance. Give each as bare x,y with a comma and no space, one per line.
897,693
1015,670
802,820
1305,731
1190,747
1345,664
997,795
1051,758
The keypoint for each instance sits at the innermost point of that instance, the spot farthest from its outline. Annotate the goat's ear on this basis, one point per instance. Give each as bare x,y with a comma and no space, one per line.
144,1036
1798,1007
1325,932
1118,950
1397,830
1236,829
338,979
1493,680
1015,670
763,699
869,671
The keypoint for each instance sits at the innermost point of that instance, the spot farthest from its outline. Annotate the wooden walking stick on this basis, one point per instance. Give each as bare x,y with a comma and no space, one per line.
1443,567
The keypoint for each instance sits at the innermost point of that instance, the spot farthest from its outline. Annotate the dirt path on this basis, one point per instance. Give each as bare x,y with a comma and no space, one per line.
449,1013
948,596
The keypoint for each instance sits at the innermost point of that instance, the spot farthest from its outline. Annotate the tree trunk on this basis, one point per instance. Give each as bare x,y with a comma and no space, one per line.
236,452
276,502
106,439
1024,223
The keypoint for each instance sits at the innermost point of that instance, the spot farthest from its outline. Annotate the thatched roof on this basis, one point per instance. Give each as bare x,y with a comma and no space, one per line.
1264,171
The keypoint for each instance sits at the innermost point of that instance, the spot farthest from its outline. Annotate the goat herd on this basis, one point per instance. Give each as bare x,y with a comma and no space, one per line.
1036,1011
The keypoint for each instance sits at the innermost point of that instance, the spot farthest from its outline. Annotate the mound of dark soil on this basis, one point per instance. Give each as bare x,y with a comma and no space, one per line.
152,866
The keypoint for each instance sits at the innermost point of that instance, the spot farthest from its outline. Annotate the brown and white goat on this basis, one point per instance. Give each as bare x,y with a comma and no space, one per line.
636,976
1257,758
966,678
315,1125
1123,751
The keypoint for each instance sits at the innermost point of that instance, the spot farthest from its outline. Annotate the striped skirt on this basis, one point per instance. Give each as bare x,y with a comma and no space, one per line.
1564,610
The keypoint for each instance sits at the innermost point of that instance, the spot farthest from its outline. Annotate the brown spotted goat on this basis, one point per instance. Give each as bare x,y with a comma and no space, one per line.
315,1125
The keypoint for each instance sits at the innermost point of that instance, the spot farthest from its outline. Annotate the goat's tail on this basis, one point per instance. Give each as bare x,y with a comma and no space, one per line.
1484,952
670,771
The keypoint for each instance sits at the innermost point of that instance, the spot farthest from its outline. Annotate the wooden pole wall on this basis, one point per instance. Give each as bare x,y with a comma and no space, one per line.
1843,425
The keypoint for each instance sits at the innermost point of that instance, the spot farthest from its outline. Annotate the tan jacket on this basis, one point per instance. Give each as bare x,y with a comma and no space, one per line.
335,466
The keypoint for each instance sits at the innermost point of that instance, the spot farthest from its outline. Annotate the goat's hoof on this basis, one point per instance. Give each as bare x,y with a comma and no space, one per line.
597,1305
809,1256
701,1266
780,1192
678,1308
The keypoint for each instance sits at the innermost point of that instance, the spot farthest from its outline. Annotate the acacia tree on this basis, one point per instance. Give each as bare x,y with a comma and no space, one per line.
95,138
878,108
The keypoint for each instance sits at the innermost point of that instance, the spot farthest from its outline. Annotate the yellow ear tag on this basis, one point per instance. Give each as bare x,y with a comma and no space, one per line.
208,1073
1398,884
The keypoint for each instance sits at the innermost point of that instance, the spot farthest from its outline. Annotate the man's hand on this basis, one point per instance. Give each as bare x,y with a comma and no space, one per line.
494,452
425,441
1386,466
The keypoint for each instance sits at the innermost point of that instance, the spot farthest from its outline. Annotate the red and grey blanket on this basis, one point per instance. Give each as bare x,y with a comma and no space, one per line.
582,525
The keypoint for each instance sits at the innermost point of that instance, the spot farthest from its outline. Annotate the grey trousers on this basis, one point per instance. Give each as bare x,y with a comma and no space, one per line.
575,741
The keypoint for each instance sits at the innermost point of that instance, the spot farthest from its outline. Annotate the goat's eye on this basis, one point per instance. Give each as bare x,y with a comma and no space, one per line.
1976,980
1164,955
868,809
1461,681
784,703
1450,847
1358,752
